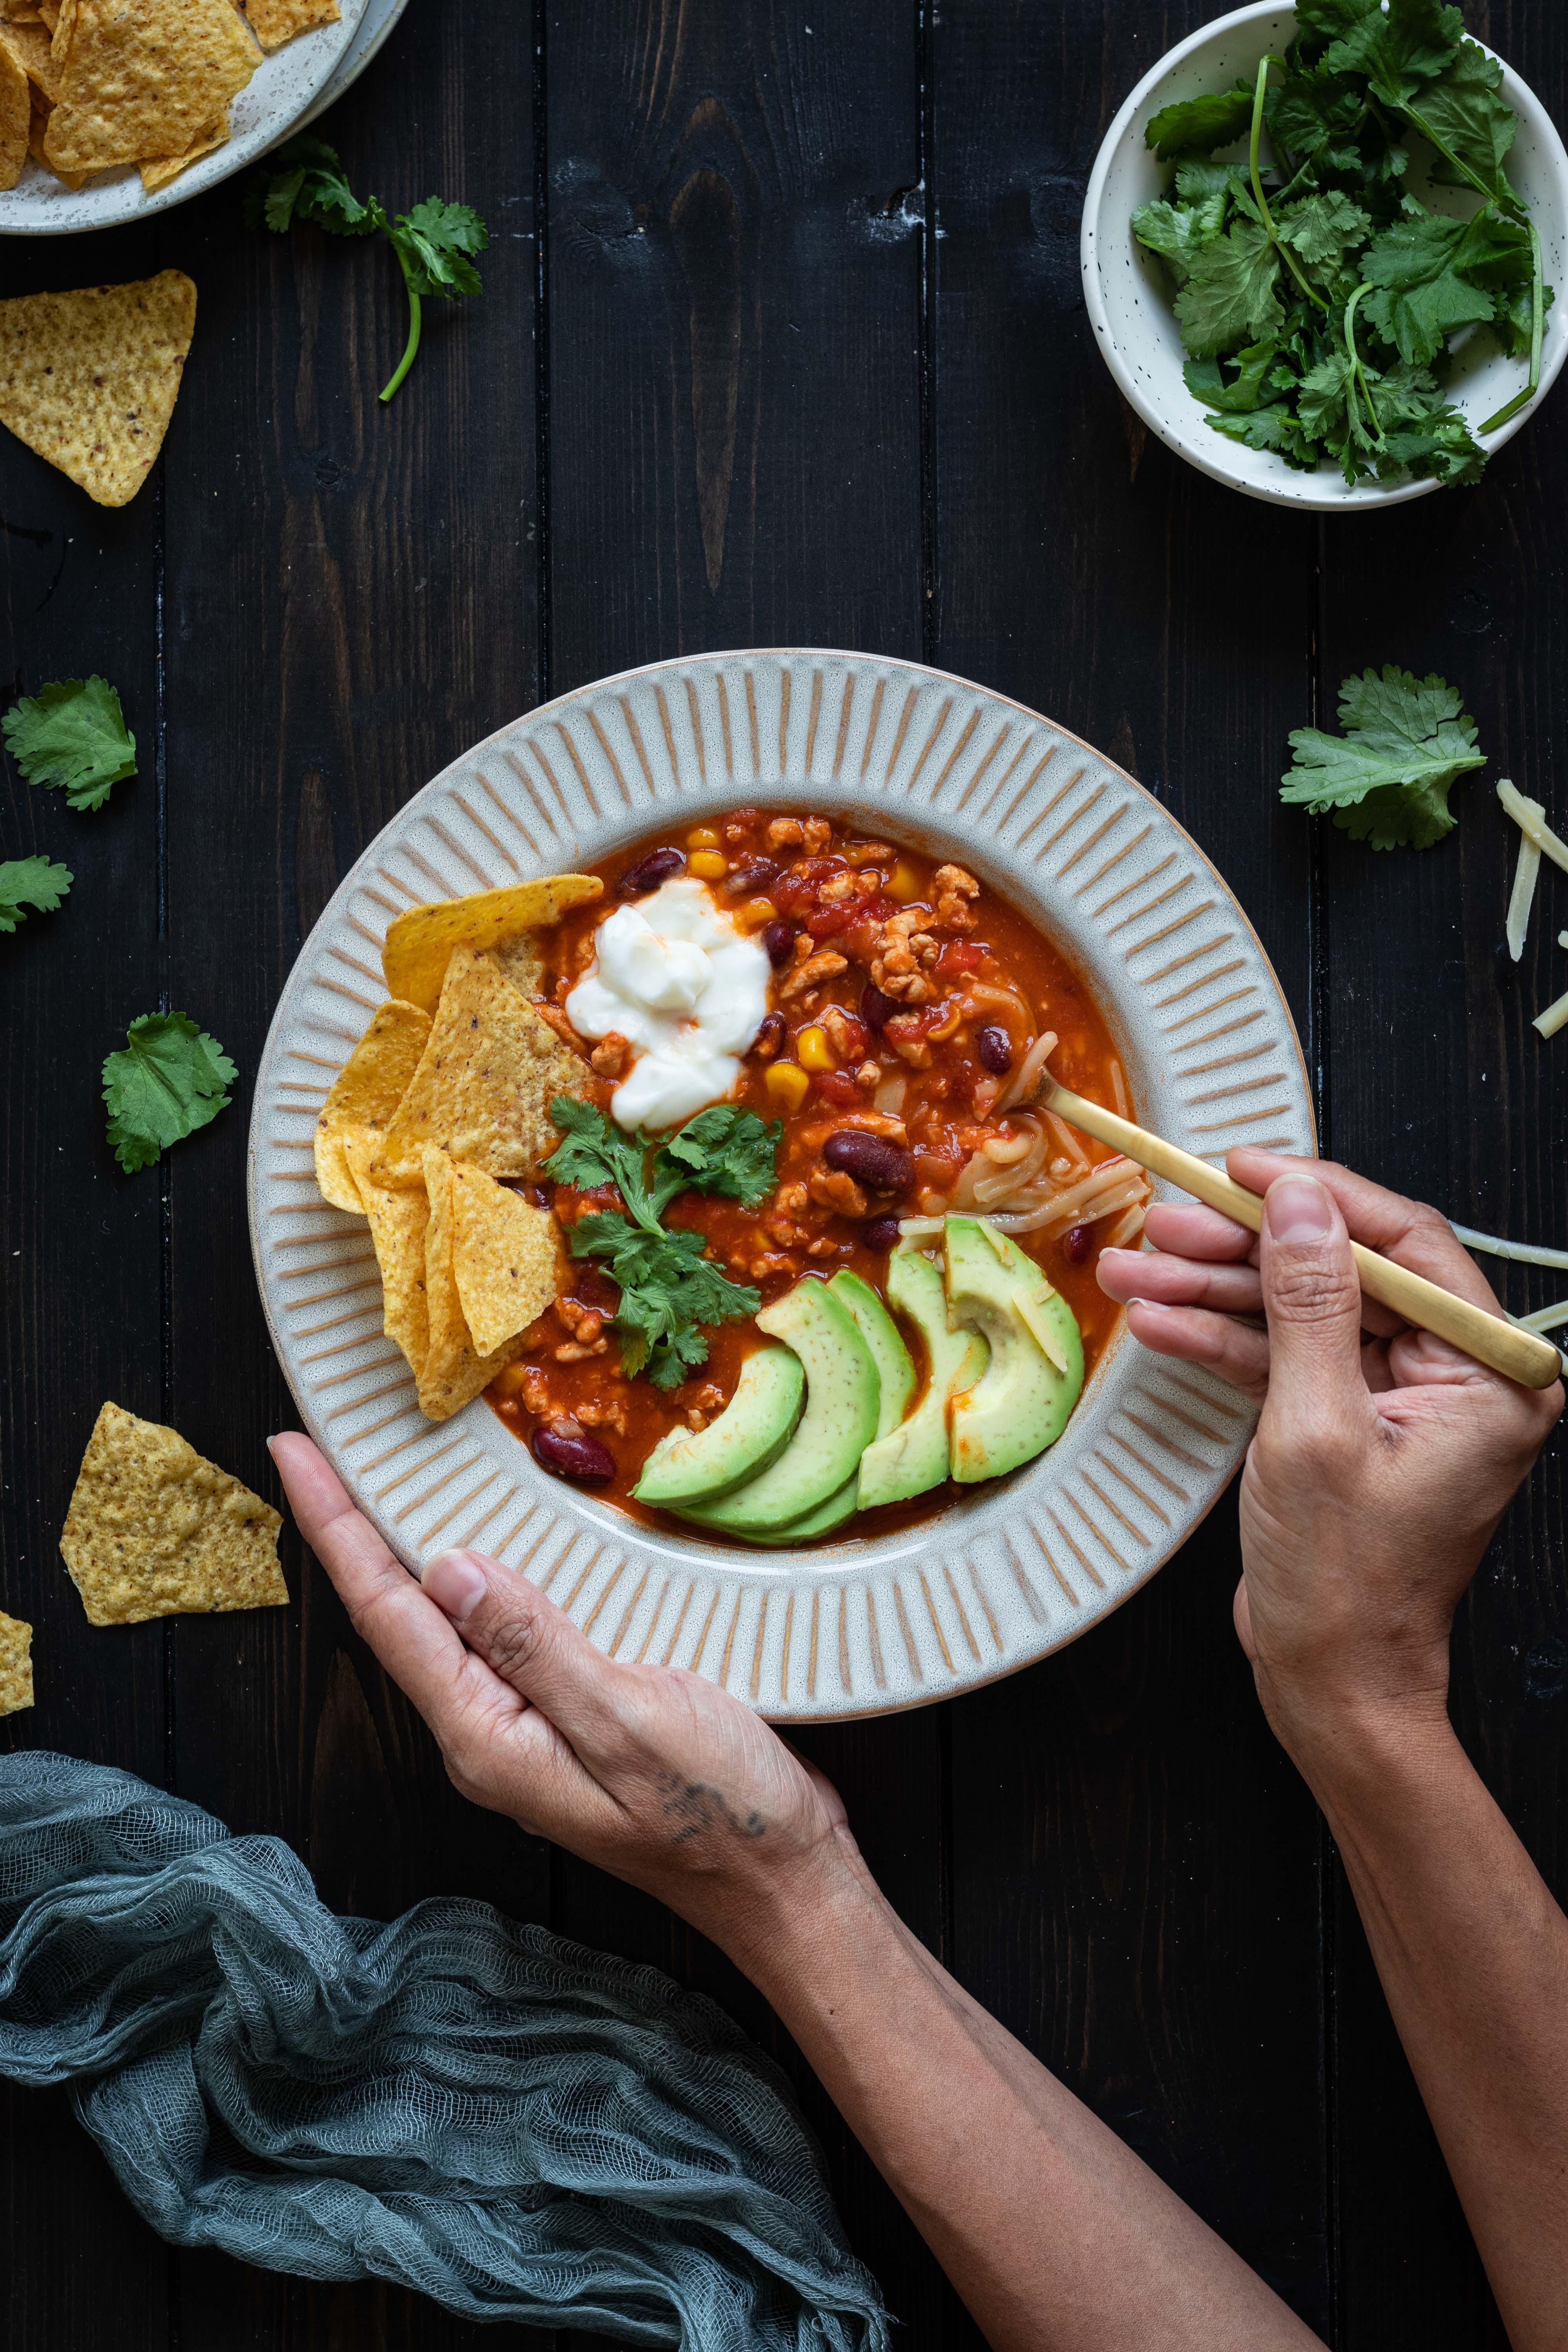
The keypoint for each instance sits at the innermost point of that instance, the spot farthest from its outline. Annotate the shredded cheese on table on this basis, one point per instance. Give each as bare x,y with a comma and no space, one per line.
1531,819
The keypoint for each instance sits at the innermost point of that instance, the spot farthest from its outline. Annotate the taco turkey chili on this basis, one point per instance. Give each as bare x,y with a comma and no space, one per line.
883,1013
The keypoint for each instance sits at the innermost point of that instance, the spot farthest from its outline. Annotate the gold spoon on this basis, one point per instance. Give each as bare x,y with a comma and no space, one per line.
1518,1355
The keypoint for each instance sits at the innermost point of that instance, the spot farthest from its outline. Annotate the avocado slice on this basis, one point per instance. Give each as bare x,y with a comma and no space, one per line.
913,1456
839,1420
697,1466
1021,1404
880,1333
812,1524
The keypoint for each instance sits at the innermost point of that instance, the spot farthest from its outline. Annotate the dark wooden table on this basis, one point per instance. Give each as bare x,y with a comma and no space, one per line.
782,342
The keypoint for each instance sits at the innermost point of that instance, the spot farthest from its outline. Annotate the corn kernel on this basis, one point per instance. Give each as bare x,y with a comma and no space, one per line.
703,836
509,1382
905,884
753,914
787,1084
816,1053
708,865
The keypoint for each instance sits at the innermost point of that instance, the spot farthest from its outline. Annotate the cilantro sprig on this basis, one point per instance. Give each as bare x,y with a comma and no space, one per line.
30,882
669,1288
1318,299
169,1079
1386,779
72,734
435,244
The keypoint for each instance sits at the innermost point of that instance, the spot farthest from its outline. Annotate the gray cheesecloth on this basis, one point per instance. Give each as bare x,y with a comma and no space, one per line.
517,2127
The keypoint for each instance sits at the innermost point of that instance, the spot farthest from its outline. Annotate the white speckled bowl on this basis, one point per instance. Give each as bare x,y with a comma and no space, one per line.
1130,295
283,87
1017,1568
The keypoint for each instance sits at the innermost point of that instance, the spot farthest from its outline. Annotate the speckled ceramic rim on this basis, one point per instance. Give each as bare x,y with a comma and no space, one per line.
1014,1571
268,107
1129,294
379,17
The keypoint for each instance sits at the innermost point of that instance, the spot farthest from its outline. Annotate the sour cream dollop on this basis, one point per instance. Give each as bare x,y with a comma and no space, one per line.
673,976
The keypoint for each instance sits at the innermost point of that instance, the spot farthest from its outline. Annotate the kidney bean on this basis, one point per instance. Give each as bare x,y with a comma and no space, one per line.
994,1048
572,1457
646,874
881,1233
876,1010
1075,1242
770,1037
871,1159
778,938
751,874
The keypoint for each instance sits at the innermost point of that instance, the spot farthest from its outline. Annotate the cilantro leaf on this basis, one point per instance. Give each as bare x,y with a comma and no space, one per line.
1399,52
724,1150
1196,126
1230,297
1323,228
668,1290
1207,380
1466,110
1386,779
72,733
434,243
595,1151
1419,296
30,882
306,183
169,1079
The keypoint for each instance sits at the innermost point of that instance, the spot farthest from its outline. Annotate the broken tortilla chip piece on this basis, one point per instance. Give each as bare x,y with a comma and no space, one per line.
169,167
506,1258
397,1222
36,128
15,115
365,1093
89,379
29,46
522,963
273,22
146,80
420,943
16,1664
153,1530
454,1370
485,1082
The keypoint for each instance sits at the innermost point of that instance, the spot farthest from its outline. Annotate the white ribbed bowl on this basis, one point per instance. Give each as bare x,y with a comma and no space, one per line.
1015,1568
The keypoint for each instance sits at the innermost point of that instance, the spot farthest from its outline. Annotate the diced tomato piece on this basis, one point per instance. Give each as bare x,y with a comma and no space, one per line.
838,1087
856,1039
960,956
931,1169
826,922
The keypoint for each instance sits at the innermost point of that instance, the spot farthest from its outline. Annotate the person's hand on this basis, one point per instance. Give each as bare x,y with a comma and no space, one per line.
654,1774
1384,1458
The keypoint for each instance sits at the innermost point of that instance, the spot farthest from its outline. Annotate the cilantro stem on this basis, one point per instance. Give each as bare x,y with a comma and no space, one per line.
1358,375
1261,201
412,346
1501,195
1537,322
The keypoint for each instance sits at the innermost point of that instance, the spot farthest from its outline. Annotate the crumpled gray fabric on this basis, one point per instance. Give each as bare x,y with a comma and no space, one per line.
522,2128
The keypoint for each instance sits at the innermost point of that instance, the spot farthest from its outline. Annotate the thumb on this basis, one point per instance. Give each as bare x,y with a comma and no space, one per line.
524,1637
1312,1299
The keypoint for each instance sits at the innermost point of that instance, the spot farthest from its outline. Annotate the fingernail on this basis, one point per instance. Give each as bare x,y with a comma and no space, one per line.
1298,1209
455,1583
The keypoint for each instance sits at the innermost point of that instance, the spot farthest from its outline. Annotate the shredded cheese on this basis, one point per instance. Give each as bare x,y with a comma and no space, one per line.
1545,1318
1039,1330
1518,1253
1531,819
1522,897
1552,1019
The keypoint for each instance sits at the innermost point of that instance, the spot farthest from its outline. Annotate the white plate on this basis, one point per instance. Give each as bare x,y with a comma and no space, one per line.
269,106
1130,296
1015,1569
379,17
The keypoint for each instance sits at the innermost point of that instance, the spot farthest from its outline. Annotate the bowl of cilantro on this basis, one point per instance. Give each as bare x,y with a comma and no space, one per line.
1318,251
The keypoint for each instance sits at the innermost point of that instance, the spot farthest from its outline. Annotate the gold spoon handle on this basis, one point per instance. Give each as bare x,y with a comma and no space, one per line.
1518,1355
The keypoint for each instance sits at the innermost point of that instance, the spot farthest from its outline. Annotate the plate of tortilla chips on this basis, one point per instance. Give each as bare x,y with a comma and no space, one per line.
113,109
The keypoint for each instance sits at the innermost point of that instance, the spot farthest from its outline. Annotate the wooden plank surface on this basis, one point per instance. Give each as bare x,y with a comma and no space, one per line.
794,352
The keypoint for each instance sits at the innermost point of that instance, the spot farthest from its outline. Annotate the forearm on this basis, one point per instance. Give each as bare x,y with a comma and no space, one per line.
1473,1955
1054,2233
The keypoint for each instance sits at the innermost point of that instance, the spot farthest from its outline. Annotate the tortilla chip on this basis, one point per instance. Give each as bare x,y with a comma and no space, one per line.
16,1664
146,78
88,379
24,12
506,1258
454,1371
154,1531
169,167
273,22
365,1093
37,129
65,26
397,1222
49,13
29,46
485,1081
522,963
15,115
414,953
